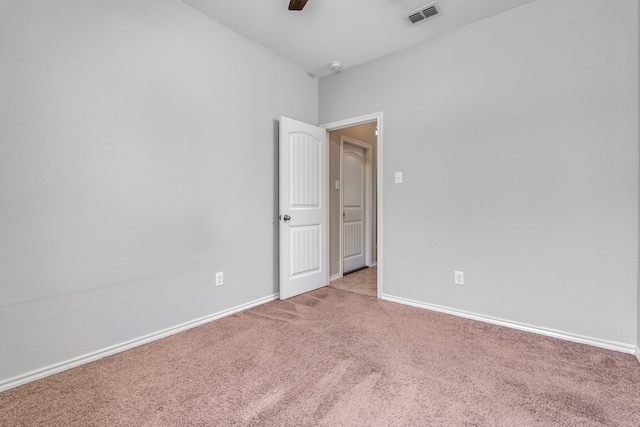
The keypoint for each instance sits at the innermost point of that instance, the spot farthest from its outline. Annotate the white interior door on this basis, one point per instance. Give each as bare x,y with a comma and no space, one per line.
353,201
303,207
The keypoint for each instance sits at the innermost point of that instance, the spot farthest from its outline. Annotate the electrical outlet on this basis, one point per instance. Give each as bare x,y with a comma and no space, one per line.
219,278
458,277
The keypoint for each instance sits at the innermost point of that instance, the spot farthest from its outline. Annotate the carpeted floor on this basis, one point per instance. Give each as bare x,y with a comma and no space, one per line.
336,358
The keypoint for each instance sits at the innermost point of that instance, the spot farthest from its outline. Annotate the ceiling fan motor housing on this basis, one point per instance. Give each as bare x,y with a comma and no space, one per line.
297,4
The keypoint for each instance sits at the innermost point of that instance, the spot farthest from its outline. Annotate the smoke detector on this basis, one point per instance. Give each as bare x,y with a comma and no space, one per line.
423,13
335,66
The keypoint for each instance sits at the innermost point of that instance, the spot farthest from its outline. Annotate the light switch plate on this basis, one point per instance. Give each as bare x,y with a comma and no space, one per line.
398,177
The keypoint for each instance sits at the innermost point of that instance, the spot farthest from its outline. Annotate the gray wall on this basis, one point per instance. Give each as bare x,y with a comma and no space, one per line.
137,158
518,139
363,133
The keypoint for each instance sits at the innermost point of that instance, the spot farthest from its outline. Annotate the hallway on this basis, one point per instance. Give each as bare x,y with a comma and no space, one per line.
363,282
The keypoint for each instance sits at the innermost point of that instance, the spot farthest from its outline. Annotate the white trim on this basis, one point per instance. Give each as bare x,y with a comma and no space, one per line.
335,277
638,354
368,118
368,195
327,214
340,213
354,121
610,345
108,351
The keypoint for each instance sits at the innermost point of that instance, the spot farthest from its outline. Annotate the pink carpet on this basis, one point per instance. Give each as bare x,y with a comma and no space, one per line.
335,358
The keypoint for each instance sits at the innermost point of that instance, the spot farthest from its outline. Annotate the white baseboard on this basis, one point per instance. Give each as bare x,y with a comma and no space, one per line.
81,360
335,277
610,345
638,354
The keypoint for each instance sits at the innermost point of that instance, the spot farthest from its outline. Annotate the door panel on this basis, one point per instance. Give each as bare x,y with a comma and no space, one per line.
353,170
303,207
305,250
353,239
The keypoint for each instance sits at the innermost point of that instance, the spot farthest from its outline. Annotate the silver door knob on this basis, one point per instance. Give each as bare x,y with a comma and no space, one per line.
286,218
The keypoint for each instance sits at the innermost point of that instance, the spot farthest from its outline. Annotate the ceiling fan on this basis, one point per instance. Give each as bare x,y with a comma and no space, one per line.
297,4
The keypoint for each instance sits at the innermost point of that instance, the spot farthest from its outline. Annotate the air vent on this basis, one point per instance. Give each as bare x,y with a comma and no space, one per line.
424,13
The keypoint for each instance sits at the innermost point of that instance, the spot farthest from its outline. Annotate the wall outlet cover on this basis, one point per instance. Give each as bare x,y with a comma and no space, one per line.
458,277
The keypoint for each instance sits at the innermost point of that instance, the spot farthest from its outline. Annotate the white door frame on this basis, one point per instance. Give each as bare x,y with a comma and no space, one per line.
367,208
369,118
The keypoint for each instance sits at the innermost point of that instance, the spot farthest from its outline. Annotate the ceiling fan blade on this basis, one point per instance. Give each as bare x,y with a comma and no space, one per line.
297,4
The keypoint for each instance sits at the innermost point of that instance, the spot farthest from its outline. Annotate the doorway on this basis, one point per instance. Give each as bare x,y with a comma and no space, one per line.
355,232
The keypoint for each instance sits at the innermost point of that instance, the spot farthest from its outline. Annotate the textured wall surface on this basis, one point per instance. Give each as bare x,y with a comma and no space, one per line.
137,158
518,139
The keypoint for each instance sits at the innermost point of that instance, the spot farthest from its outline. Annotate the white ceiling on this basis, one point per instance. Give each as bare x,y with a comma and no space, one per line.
349,31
